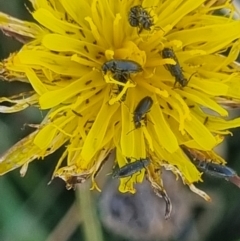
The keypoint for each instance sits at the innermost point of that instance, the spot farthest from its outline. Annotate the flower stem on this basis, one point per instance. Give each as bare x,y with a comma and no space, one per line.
91,224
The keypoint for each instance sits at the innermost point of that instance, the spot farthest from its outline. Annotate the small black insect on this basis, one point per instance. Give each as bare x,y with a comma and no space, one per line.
121,68
140,17
133,16
175,70
216,170
142,108
131,168
210,168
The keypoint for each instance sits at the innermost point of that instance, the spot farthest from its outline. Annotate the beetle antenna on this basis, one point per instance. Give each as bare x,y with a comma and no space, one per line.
131,131
191,76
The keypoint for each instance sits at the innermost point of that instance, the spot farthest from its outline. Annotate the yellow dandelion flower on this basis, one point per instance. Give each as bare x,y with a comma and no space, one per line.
138,77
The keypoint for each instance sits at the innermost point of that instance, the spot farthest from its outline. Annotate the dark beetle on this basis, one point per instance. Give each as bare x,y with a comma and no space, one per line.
131,168
216,170
220,171
175,70
142,108
210,168
121,68
133,16
140,17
